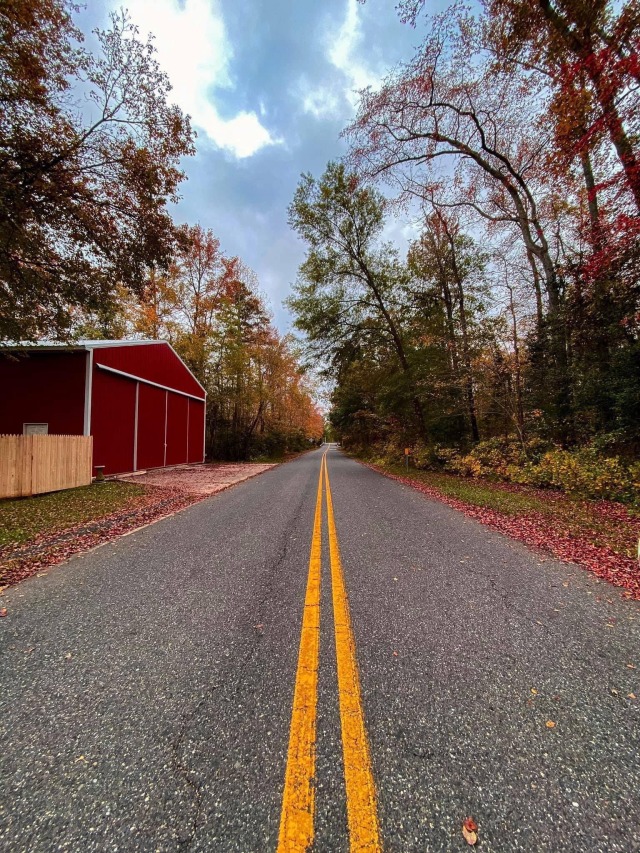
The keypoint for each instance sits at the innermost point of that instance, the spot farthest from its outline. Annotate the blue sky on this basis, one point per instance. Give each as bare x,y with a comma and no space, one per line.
269,85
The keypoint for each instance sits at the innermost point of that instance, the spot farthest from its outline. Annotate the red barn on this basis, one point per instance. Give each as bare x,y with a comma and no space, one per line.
138,399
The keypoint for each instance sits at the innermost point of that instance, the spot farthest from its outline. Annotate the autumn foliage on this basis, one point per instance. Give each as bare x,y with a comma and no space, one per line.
90,153
259,401
508,146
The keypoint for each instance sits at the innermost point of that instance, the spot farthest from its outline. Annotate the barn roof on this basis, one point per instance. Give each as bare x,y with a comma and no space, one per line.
82,344
88,344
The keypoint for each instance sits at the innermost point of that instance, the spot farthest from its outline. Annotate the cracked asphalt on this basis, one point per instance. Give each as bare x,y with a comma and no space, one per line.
146,687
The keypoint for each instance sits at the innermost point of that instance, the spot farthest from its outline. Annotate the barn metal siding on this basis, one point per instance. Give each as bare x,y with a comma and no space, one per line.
113,422
177,433
155,362
151,411
135,425
43,387
196,431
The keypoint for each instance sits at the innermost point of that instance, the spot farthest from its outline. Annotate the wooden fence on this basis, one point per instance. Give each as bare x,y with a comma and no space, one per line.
33,464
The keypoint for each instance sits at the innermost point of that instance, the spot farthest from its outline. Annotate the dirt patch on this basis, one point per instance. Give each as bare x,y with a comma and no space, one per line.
199,479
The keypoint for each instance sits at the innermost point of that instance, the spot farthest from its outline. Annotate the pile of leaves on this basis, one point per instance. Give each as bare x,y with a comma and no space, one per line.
603,544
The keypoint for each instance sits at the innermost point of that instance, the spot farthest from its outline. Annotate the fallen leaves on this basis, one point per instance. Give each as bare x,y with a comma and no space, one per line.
146,498
23,560
3,611
539,531
550,724
470,831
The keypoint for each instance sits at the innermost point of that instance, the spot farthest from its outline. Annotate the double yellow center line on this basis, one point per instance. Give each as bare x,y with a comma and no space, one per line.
298,802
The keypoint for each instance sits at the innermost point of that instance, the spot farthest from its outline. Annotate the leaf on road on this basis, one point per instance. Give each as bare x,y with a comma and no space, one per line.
470,831
631,695
550,724
534,691
3,611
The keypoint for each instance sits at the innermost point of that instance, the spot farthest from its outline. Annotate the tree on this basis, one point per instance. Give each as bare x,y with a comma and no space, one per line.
89,158
208,306
348,284
447,260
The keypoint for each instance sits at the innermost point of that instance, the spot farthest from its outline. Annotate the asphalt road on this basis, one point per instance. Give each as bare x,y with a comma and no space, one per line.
146,688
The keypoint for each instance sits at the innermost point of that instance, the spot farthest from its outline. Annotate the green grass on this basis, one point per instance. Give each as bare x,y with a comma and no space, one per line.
583,519
25,518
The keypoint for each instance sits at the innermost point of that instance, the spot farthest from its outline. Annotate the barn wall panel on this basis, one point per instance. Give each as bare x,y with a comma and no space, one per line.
151,411
113,422
196,430
177,413
155,362
45,387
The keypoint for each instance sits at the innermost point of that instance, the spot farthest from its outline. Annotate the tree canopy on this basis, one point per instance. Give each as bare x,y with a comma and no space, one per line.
508,145
89,158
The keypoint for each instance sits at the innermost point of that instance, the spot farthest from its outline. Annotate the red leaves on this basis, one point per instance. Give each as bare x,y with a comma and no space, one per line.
3,611
536,530
21,561
470,831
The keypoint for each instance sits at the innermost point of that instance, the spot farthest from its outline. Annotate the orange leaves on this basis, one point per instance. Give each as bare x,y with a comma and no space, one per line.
470,831
3,611
550,724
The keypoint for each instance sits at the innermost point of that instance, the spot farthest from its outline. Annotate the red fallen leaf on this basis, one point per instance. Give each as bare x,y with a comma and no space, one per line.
533,529
3,611
470,831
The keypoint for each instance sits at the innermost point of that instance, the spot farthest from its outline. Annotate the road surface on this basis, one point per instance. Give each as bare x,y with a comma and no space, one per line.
204,683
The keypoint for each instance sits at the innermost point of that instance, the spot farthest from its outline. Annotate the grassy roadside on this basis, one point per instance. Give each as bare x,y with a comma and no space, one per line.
601,536
25,518
592,520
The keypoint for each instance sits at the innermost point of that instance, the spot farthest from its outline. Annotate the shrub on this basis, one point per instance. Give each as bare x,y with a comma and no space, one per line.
585,473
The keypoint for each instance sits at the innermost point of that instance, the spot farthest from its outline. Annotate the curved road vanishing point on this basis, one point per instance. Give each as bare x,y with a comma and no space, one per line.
318,659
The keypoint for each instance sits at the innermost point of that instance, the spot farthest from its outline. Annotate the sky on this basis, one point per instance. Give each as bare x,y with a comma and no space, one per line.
269,86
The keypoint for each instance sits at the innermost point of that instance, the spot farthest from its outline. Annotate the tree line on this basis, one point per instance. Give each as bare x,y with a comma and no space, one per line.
90,153
509,143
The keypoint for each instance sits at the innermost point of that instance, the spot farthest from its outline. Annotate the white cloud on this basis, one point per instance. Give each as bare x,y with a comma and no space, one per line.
345,53
195,52
320,102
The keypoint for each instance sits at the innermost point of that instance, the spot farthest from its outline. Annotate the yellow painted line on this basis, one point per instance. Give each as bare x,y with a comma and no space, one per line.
364,833
298,800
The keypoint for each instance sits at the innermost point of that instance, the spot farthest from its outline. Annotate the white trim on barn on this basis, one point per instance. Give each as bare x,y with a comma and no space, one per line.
88,390
149,382
204,435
